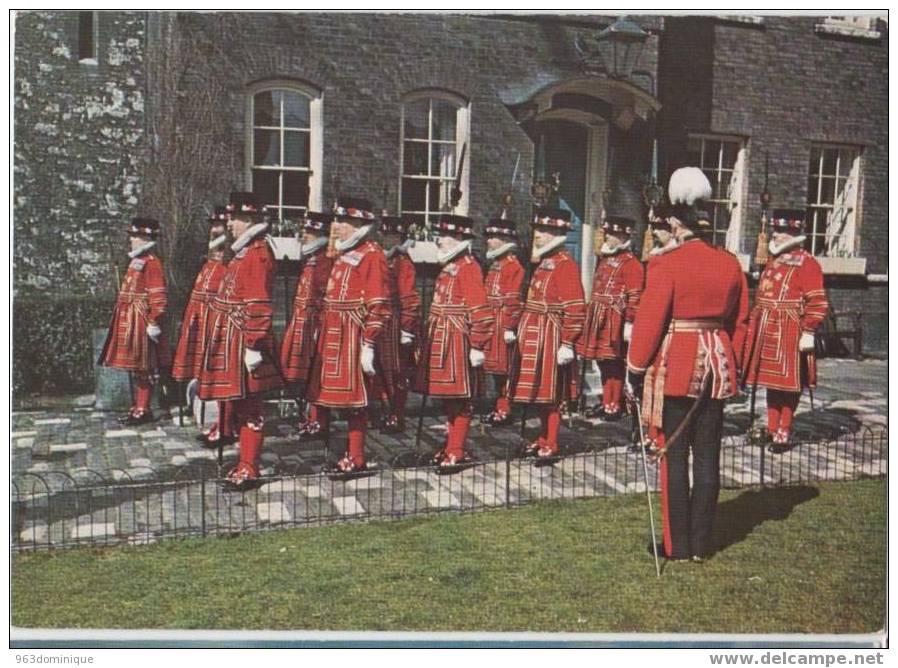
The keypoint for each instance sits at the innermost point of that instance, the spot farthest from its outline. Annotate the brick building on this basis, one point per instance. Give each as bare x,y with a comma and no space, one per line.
164,113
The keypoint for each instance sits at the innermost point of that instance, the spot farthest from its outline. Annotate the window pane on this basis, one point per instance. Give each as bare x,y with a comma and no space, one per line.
296,188
416,119
812,190
439,195
265,185
265,111
829,162
413,194
730,151
296,149
296,110
415,158
845,163
266,147
814,165
828,191
444,116
86,35
442,158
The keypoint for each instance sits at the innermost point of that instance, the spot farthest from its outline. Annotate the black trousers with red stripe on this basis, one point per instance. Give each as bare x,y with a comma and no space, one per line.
689,514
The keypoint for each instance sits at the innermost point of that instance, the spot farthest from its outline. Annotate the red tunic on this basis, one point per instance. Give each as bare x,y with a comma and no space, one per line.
298,346
396,362
790,300
239,319
692,318
459,319
192,343
616,287
503,295
553,315
355,311
141,301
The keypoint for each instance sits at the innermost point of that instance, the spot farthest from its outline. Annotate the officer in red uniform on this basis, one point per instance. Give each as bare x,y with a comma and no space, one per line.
790,304
301,338
503,295
459,327
395,350
356,310
552,322
692,317
135,342
240,359
191,343
616,287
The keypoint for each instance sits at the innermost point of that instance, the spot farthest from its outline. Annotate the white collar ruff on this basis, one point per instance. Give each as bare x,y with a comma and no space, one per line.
501,250
305,250
217,241
355,238
614,251
788,245
443,258
552,245
140,250
245,238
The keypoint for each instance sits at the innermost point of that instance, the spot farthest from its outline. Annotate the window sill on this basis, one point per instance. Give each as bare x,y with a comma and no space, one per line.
756,21
285,248
847,31
89,62
424,252
845,266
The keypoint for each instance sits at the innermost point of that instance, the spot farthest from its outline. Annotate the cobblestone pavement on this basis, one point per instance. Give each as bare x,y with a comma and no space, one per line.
63,457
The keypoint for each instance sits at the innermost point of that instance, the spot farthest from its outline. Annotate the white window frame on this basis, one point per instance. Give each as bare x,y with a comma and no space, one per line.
94,58
316,152
848,207
732,235
859,26
462,138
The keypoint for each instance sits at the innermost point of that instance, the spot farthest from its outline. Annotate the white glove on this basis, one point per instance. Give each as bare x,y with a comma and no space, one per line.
252,359
510,336
367,360
806,342
476,357
565,355
406,338
153,331
628,331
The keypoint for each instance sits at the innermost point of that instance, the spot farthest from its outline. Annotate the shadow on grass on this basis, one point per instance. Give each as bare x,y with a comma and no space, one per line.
738,517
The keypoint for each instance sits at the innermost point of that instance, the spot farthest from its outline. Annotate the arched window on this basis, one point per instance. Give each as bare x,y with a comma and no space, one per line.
284,147
435,127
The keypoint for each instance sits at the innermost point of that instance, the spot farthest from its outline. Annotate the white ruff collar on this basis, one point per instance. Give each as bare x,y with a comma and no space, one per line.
671,244
355,238
401,248
217,241
788,245
614,251
137,252
248,236
501,250
305,250
443,258
552,245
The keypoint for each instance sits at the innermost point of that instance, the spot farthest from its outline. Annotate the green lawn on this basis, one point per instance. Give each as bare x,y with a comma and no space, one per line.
805,559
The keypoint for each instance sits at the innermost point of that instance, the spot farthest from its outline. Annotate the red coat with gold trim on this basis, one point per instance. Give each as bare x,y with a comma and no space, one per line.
553,315
356,310
692,321
790,300
616,287
240,318
141,301
458,320
192,341
396,362
301,338
503,295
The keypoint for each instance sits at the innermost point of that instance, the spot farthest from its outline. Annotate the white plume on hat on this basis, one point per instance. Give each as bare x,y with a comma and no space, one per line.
688,185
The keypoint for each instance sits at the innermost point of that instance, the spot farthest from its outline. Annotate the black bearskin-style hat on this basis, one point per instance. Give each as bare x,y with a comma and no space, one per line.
501,227
354,208
245,203
687,190
449,223
788,220
220,216
618,225
555,219
318,221
394,225
144,227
